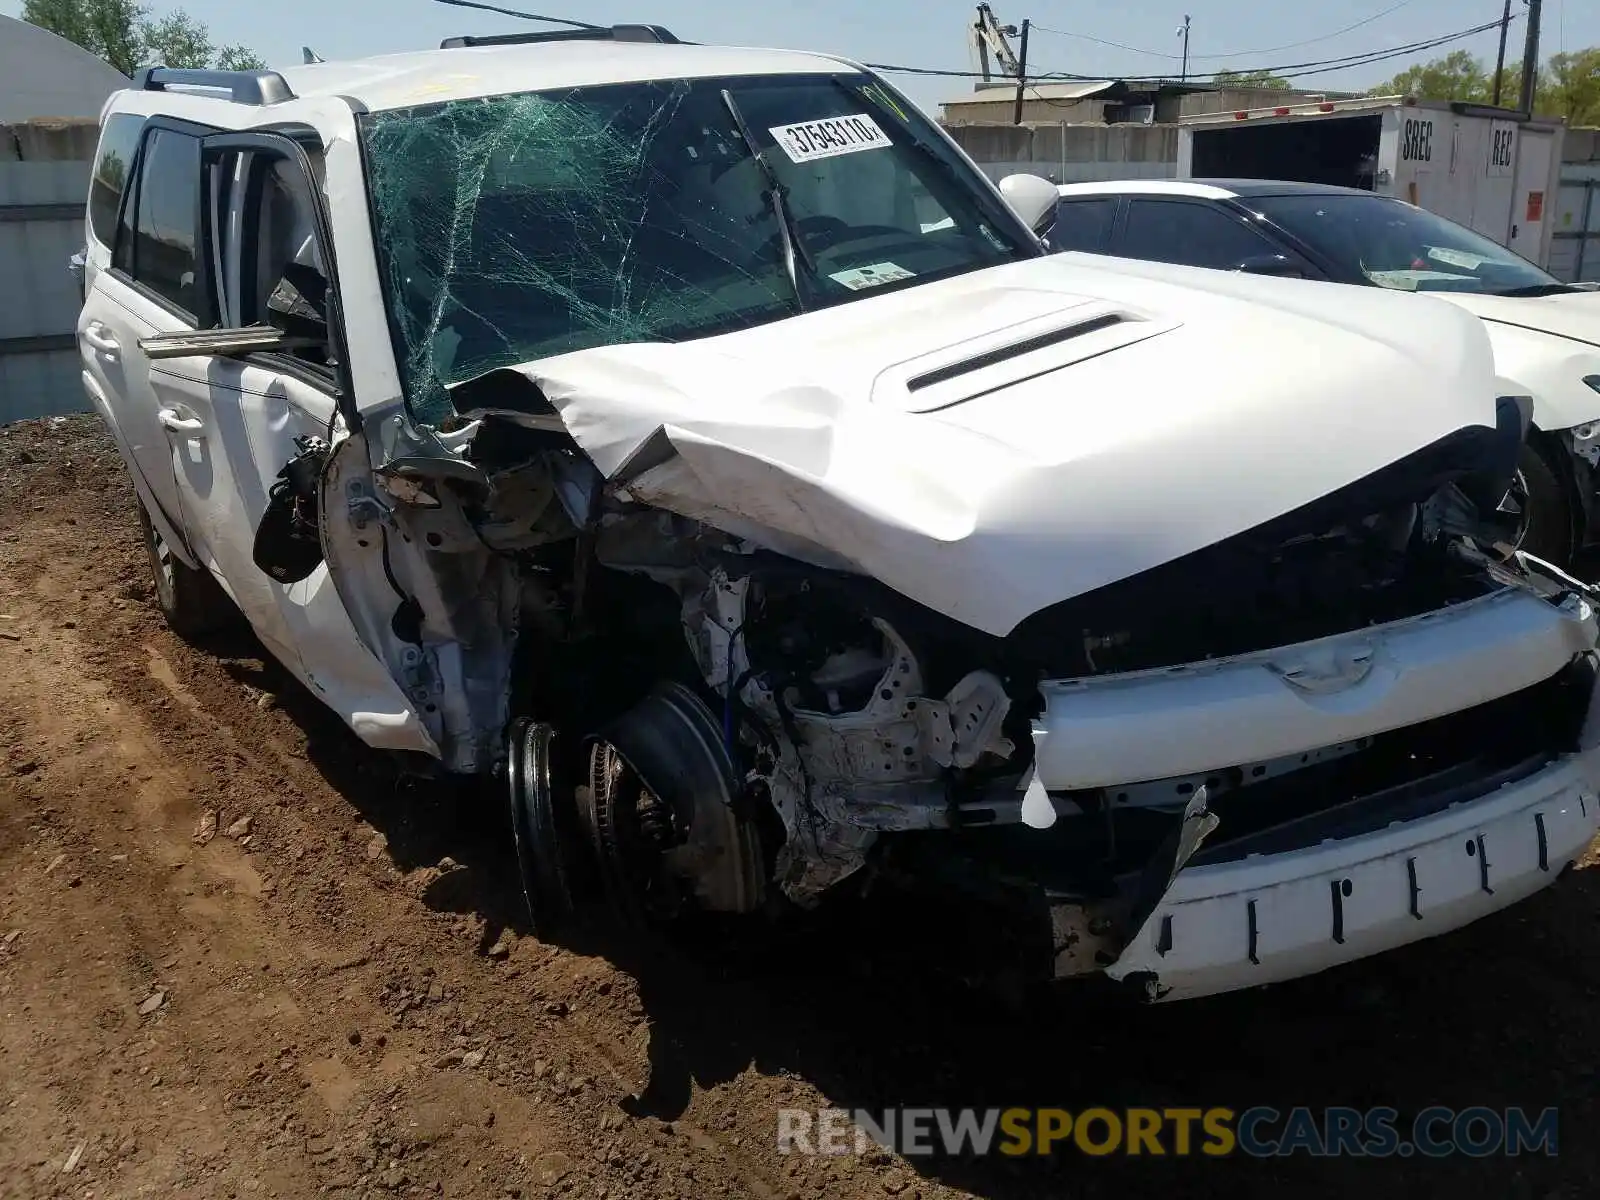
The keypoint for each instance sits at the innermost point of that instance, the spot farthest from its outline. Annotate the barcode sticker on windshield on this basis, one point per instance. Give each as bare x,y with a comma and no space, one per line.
830,136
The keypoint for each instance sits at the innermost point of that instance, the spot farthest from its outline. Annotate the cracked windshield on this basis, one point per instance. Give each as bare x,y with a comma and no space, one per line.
518,227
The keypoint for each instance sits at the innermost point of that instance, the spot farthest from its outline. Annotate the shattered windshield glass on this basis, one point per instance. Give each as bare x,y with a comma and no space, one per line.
518,227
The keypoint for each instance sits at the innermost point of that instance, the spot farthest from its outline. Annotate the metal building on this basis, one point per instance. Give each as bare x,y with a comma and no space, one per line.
51,93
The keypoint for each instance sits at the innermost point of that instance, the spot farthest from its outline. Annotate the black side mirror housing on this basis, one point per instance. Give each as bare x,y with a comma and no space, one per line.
299,304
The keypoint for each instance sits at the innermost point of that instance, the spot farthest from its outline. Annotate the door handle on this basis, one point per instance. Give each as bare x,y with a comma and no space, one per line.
188,426
102,341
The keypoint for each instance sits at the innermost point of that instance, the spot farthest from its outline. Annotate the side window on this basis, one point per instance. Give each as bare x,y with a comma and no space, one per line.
1083,224
272,268
165,217
1196,235
119,138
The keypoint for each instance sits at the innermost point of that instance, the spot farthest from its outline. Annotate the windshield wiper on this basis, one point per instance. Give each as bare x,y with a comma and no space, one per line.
1537,289
794,251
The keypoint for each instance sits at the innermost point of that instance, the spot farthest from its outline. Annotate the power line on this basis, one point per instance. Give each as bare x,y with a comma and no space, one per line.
1285,70
1084,37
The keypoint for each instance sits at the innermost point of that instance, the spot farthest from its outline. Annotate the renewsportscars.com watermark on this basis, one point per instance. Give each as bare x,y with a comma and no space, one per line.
1260,1132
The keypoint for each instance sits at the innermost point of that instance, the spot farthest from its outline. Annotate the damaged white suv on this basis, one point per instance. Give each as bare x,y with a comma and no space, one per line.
693,437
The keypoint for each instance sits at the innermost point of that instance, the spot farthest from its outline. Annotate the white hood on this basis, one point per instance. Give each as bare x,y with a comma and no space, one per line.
1544,347
1215,403
1568,314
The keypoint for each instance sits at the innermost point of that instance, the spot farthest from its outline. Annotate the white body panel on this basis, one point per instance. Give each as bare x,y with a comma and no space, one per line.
1174,721
1544,347
994,507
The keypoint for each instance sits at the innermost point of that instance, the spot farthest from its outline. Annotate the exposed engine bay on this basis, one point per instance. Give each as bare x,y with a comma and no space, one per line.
701,723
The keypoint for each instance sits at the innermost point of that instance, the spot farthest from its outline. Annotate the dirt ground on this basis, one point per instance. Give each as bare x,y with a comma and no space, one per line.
241,956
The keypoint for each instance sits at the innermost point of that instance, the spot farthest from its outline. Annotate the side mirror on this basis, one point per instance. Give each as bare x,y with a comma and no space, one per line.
1031,198
1271,264
299,304
78,266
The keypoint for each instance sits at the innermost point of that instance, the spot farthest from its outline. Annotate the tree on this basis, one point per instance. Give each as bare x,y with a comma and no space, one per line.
240,58
176,40
1569,87
1249,79
124,34
1456,76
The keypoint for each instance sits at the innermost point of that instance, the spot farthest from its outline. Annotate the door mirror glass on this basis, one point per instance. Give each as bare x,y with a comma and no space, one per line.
1032,198
1270,264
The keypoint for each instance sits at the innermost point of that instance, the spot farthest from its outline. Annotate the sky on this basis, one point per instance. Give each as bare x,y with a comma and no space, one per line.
1236,34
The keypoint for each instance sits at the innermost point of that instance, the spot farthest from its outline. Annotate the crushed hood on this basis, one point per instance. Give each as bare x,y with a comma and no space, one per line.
996,443
1573,315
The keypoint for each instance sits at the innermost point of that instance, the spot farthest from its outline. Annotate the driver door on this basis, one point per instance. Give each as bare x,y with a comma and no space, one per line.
246,414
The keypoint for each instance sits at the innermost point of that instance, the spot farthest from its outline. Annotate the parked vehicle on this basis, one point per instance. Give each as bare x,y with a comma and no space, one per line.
692,437
1545,333
1494,170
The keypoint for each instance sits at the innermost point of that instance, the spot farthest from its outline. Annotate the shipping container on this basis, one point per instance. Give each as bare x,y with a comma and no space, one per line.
1490,169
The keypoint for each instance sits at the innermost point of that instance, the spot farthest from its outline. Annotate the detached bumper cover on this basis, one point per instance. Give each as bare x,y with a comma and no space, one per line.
1270,918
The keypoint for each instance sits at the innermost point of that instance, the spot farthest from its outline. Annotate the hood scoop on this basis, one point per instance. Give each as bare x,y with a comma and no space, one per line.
1004,357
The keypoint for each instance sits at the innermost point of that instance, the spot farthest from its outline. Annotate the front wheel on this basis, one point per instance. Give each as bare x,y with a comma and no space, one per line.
192,602
1545,527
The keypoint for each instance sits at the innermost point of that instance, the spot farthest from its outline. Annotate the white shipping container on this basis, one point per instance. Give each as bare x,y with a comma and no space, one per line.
1492,170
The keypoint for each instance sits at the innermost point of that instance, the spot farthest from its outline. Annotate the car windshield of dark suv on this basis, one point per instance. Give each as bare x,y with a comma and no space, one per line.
516,227
1397,246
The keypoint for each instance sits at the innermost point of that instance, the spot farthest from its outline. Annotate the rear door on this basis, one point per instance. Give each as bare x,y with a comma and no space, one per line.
141,283
1193,232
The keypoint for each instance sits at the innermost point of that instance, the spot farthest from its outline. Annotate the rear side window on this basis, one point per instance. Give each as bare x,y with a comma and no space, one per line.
165,217
112,161
1083,224
1194,234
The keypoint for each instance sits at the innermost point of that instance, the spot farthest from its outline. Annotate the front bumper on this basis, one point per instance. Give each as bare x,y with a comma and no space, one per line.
1270,918
1108,730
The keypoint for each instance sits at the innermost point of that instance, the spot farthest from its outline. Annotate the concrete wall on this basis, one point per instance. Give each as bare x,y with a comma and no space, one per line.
1072,153
44,182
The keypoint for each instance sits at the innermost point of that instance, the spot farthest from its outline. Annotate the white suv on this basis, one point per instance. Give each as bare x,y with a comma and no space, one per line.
692,437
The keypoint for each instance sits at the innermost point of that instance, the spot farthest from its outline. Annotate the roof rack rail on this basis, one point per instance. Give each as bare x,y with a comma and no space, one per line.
599,33
243,87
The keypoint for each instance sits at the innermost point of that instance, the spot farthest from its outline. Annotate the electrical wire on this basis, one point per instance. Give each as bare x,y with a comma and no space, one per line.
1325,37
1285,70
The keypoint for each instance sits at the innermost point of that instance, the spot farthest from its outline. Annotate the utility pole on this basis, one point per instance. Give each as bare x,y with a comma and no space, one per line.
1500,59
1530,58
1022,74
1183,32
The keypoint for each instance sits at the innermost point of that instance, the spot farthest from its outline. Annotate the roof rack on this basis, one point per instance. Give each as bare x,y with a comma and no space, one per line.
598,33
243,87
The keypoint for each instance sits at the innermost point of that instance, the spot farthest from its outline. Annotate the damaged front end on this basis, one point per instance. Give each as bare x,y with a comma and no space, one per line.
1357,724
